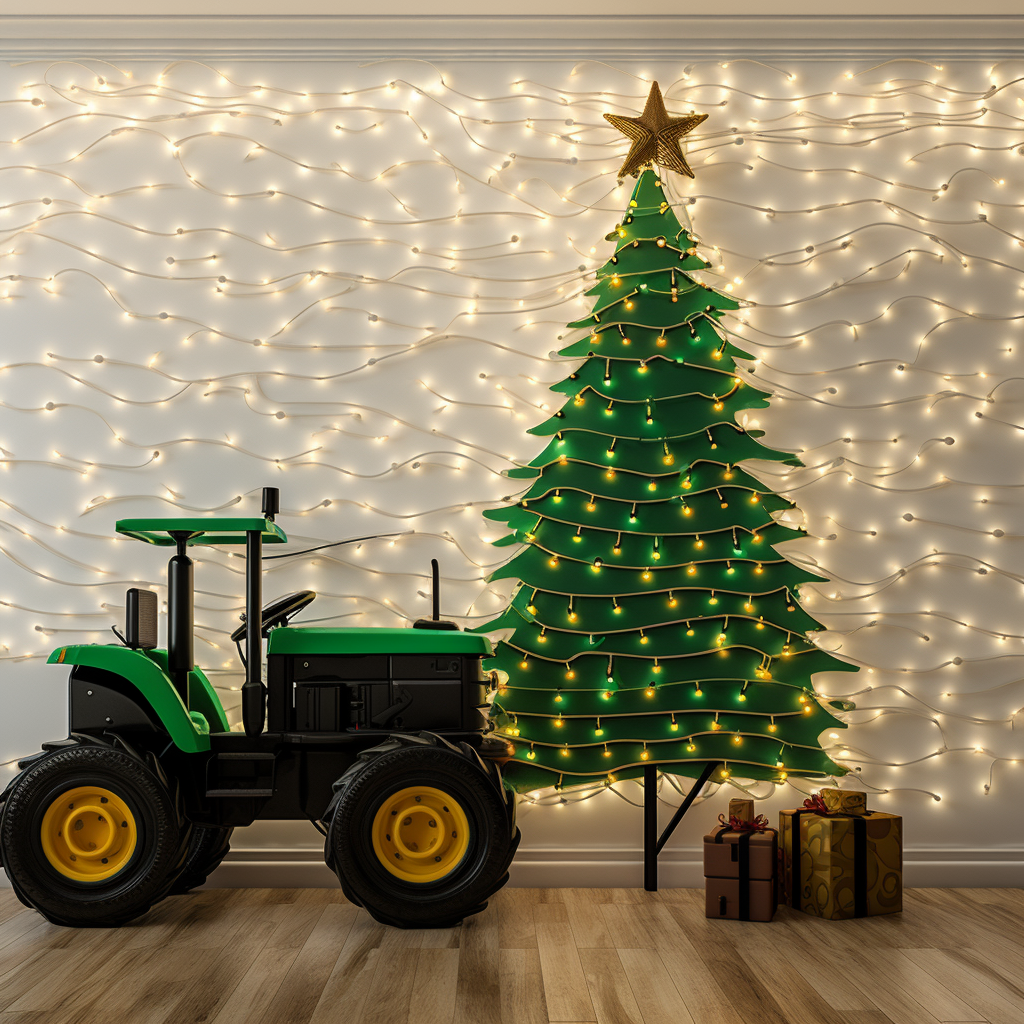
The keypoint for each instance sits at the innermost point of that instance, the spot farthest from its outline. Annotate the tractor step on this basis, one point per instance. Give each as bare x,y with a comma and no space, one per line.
240,775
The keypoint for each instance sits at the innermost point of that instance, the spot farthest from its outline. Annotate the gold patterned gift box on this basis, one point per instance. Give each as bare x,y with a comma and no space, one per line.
741,808
839,866
844,801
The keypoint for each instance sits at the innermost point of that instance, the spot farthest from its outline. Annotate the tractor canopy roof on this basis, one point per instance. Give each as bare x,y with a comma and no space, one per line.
202,530
375,640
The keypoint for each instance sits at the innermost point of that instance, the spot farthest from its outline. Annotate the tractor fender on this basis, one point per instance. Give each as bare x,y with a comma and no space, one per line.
143,675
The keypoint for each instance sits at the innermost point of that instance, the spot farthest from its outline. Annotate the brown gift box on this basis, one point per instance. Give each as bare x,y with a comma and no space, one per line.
842,866
741,874
742,809
722,899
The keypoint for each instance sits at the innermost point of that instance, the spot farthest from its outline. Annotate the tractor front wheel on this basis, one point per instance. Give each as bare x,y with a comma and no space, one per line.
421,833
91,836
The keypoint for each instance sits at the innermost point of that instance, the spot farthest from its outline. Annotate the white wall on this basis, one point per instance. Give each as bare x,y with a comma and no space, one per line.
404,423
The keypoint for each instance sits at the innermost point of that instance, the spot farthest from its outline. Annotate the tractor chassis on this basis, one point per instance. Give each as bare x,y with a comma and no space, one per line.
274,776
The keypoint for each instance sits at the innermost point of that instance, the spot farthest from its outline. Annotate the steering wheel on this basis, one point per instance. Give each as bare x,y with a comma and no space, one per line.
278,612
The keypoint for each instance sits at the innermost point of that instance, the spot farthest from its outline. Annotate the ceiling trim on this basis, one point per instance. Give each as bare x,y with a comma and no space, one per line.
285,37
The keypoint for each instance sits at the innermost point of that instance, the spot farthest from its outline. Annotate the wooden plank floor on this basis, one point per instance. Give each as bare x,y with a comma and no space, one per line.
605,956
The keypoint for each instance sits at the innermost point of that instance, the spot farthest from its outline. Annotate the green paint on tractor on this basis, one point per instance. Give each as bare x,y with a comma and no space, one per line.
378,640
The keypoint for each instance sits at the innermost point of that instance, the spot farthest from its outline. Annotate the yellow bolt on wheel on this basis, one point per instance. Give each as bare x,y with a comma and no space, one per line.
88,834
420,834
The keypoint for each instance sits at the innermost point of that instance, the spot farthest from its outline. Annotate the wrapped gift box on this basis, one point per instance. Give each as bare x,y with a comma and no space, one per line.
844,801
724,898
839,866
742,809
741,874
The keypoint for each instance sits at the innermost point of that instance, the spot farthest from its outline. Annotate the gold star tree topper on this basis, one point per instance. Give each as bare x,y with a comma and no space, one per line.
655,136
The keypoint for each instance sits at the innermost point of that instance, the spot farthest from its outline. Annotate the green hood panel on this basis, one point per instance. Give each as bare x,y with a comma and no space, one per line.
146,672
315,640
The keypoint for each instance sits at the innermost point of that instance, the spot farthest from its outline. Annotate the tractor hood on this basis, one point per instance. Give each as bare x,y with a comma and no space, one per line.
296,640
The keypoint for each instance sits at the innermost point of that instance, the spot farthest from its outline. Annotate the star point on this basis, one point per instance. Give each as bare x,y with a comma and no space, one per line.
655,136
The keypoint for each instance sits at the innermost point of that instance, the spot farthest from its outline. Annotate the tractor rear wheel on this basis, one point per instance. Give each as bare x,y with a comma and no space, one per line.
91,836
208,847
420,832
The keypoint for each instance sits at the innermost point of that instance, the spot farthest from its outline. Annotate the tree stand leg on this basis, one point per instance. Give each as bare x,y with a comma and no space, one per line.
652,844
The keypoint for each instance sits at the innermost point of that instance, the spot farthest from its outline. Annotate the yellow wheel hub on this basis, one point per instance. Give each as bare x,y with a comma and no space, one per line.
420,834
88,834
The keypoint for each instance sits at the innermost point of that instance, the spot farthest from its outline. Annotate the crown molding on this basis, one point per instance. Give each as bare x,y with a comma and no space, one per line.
500,37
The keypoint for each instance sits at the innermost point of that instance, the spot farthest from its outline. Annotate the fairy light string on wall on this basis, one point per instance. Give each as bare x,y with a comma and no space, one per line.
249,270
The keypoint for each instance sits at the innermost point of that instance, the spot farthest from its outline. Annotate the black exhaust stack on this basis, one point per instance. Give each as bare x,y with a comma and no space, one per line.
254,693
435,601
180,657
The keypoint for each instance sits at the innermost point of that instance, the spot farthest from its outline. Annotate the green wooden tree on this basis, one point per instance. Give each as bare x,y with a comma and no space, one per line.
653,621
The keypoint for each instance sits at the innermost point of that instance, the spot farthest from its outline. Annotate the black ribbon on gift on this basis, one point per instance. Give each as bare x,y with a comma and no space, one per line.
860,857
860,866
741,855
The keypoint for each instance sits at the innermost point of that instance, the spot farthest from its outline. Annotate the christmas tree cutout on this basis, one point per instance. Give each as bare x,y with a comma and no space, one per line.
654,623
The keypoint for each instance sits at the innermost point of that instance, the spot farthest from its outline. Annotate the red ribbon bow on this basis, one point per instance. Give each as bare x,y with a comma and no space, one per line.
817,804
734,824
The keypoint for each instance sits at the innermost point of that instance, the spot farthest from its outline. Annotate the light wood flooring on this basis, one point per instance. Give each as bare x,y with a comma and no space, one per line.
610,956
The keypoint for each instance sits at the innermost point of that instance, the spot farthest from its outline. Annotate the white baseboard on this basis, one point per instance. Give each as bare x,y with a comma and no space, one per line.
558,868
613,869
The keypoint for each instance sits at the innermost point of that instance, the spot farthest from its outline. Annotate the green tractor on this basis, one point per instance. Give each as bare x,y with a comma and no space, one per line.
377,736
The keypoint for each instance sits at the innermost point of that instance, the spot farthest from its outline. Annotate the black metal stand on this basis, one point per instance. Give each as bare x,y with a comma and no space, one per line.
652,844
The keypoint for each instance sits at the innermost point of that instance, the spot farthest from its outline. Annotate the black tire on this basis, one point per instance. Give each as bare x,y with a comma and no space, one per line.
161,839
383,771
207,848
